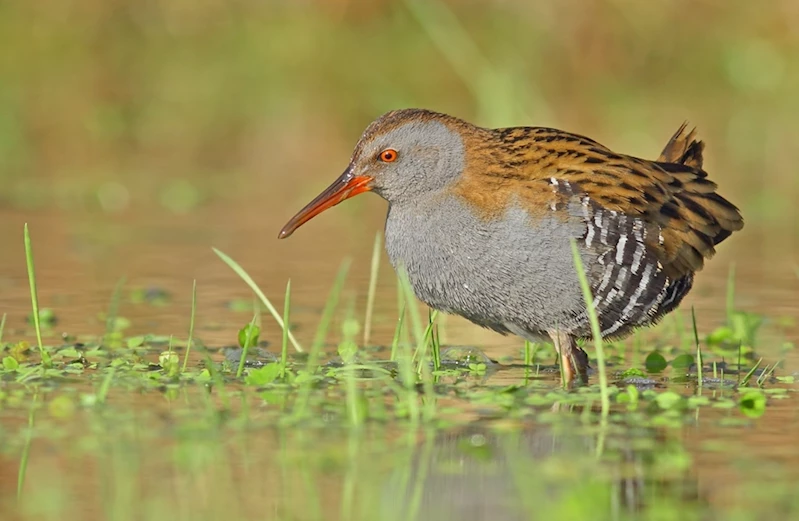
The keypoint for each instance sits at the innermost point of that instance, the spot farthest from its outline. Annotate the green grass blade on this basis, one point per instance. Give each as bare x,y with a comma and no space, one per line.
102,392
435,344
528,353
410,301
355,412
284,350
766,374
420,478
23,461
370,296
45,356
191,325
750,373
331,305
348,493
2,326
421,349
254,287
595,330
408,377
397,333
113,307
245,349
699,362
304,394
217,379
423,367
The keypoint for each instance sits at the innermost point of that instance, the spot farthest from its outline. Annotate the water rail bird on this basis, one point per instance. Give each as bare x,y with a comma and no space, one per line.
482,221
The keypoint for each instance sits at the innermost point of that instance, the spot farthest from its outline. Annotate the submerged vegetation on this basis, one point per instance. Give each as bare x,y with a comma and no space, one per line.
388,419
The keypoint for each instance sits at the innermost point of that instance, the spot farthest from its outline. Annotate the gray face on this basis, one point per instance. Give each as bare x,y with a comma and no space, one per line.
404,156
429,156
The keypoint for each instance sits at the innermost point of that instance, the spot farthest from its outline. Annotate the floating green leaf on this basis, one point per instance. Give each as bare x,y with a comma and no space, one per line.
61,407
753,404
263,376
10,363
655,362
249,335
47,317
170,362
668,400
347,351
683,361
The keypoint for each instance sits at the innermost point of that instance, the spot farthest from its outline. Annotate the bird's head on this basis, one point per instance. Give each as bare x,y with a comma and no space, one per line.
401,156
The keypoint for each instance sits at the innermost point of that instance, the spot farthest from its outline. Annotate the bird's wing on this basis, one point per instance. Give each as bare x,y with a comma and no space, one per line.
544,168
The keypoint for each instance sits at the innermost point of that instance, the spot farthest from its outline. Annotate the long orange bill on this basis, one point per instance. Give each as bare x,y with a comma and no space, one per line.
346,186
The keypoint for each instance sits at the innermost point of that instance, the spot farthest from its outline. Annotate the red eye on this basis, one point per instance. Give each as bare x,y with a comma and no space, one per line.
388,155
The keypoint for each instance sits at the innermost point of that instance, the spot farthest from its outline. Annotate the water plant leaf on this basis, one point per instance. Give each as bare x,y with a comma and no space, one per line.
347,350
154,296
10,363
263,376
683,361
47,318
631,372
249,335
169,362
753,404
655,362
61,407
135,341
20,351
668,400
479,368
630,397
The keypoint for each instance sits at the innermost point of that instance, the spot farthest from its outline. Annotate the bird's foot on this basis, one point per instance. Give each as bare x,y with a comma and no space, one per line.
573,360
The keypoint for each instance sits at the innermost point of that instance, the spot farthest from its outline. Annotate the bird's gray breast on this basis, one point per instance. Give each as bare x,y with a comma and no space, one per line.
514,273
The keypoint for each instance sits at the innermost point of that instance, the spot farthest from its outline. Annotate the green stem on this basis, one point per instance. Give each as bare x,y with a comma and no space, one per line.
254,287
2,326
595,330
285,344
330,305
191,324
23,462
46,362
245,349
699,361
370,297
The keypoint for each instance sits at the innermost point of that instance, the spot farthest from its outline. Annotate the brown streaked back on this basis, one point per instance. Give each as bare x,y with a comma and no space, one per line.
672,195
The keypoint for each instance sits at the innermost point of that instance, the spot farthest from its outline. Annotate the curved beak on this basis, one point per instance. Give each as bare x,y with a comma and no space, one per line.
346,186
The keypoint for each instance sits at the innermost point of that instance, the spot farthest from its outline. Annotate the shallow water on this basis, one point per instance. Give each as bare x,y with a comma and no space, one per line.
80,257
161,453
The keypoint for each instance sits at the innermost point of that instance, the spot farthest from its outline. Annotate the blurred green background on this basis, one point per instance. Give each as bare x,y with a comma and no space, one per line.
121,104
137,134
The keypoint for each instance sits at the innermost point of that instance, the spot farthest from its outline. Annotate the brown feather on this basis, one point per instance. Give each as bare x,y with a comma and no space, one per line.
672,195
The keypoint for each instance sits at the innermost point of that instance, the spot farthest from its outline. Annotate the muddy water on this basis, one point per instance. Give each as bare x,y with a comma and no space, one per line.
468,472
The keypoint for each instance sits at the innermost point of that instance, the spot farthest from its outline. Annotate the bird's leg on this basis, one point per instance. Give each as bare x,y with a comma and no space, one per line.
573,359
